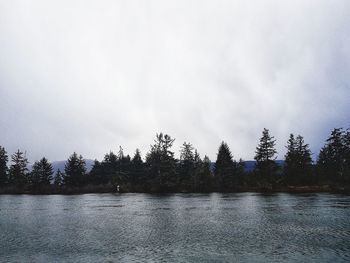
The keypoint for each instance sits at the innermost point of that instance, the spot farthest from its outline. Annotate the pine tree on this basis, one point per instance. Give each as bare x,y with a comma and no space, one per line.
346,146
58,180
197,165
265,157
203,175
75,170
137,169
161,163
35,174
97,174
333,163
109,167
41,173
3,166
224,168
238,171
18,169
330,162
186,166
123,168
298,161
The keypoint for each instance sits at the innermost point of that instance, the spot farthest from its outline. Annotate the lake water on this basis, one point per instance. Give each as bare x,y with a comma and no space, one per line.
245,227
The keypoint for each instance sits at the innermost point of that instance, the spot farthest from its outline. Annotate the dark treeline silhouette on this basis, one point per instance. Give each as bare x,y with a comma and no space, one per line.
160,171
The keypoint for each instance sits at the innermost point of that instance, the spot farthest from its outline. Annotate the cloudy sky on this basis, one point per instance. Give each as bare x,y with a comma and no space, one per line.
88,76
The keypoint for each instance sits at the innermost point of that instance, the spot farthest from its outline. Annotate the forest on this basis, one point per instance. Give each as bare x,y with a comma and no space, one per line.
161,172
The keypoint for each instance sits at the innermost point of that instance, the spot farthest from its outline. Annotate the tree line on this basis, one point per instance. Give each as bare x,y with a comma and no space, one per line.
160,171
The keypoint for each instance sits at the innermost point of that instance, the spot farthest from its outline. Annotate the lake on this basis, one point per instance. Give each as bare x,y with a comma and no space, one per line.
244,227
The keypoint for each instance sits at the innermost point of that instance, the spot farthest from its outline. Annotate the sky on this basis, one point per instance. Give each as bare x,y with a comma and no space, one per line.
89,76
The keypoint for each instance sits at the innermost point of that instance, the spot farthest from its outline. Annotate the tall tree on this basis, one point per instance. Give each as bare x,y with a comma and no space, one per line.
137,169
58,180
75,170
3,166
346,145
123,168
161,163
298,161
332,160
18,169
203,175
109,167
265,157
224,168
41,174
97,174
238,171
186,166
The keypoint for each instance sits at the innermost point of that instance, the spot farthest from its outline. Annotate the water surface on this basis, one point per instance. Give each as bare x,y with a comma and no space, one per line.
245,227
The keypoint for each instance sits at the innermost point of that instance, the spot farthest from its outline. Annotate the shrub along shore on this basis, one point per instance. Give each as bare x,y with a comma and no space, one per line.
161,172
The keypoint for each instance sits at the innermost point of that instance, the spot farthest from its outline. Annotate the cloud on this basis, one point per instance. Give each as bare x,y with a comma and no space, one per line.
89,76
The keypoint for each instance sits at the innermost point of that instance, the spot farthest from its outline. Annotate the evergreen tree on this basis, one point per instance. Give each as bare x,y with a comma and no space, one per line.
346,146
109,167
35,174
265,157
75,170
239,172
203,175
3,166
18,169
333,160
161,163
97,175
137,169
58,180
186,166
41,173
197,166
224,168
298,161
123,168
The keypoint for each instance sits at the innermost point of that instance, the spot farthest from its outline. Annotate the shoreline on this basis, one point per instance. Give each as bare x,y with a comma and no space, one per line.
111,190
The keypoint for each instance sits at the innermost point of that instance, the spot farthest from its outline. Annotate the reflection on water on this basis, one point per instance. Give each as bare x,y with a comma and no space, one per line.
245,227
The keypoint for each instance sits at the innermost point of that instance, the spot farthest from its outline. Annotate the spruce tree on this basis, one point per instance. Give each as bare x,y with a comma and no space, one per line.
298,161
3,166
186,166
330,162
137,169
35,174
265,157
97,174
346,146
238,171
123,168
333,163
75,170
58,179
109,167
18,169
224,168
161,163
204,177
197,165
41,174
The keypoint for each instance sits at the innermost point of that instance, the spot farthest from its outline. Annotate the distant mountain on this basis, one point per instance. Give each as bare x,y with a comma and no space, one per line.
60,165
249,165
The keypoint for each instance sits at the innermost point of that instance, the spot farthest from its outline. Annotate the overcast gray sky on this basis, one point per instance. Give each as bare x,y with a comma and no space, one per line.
88,76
